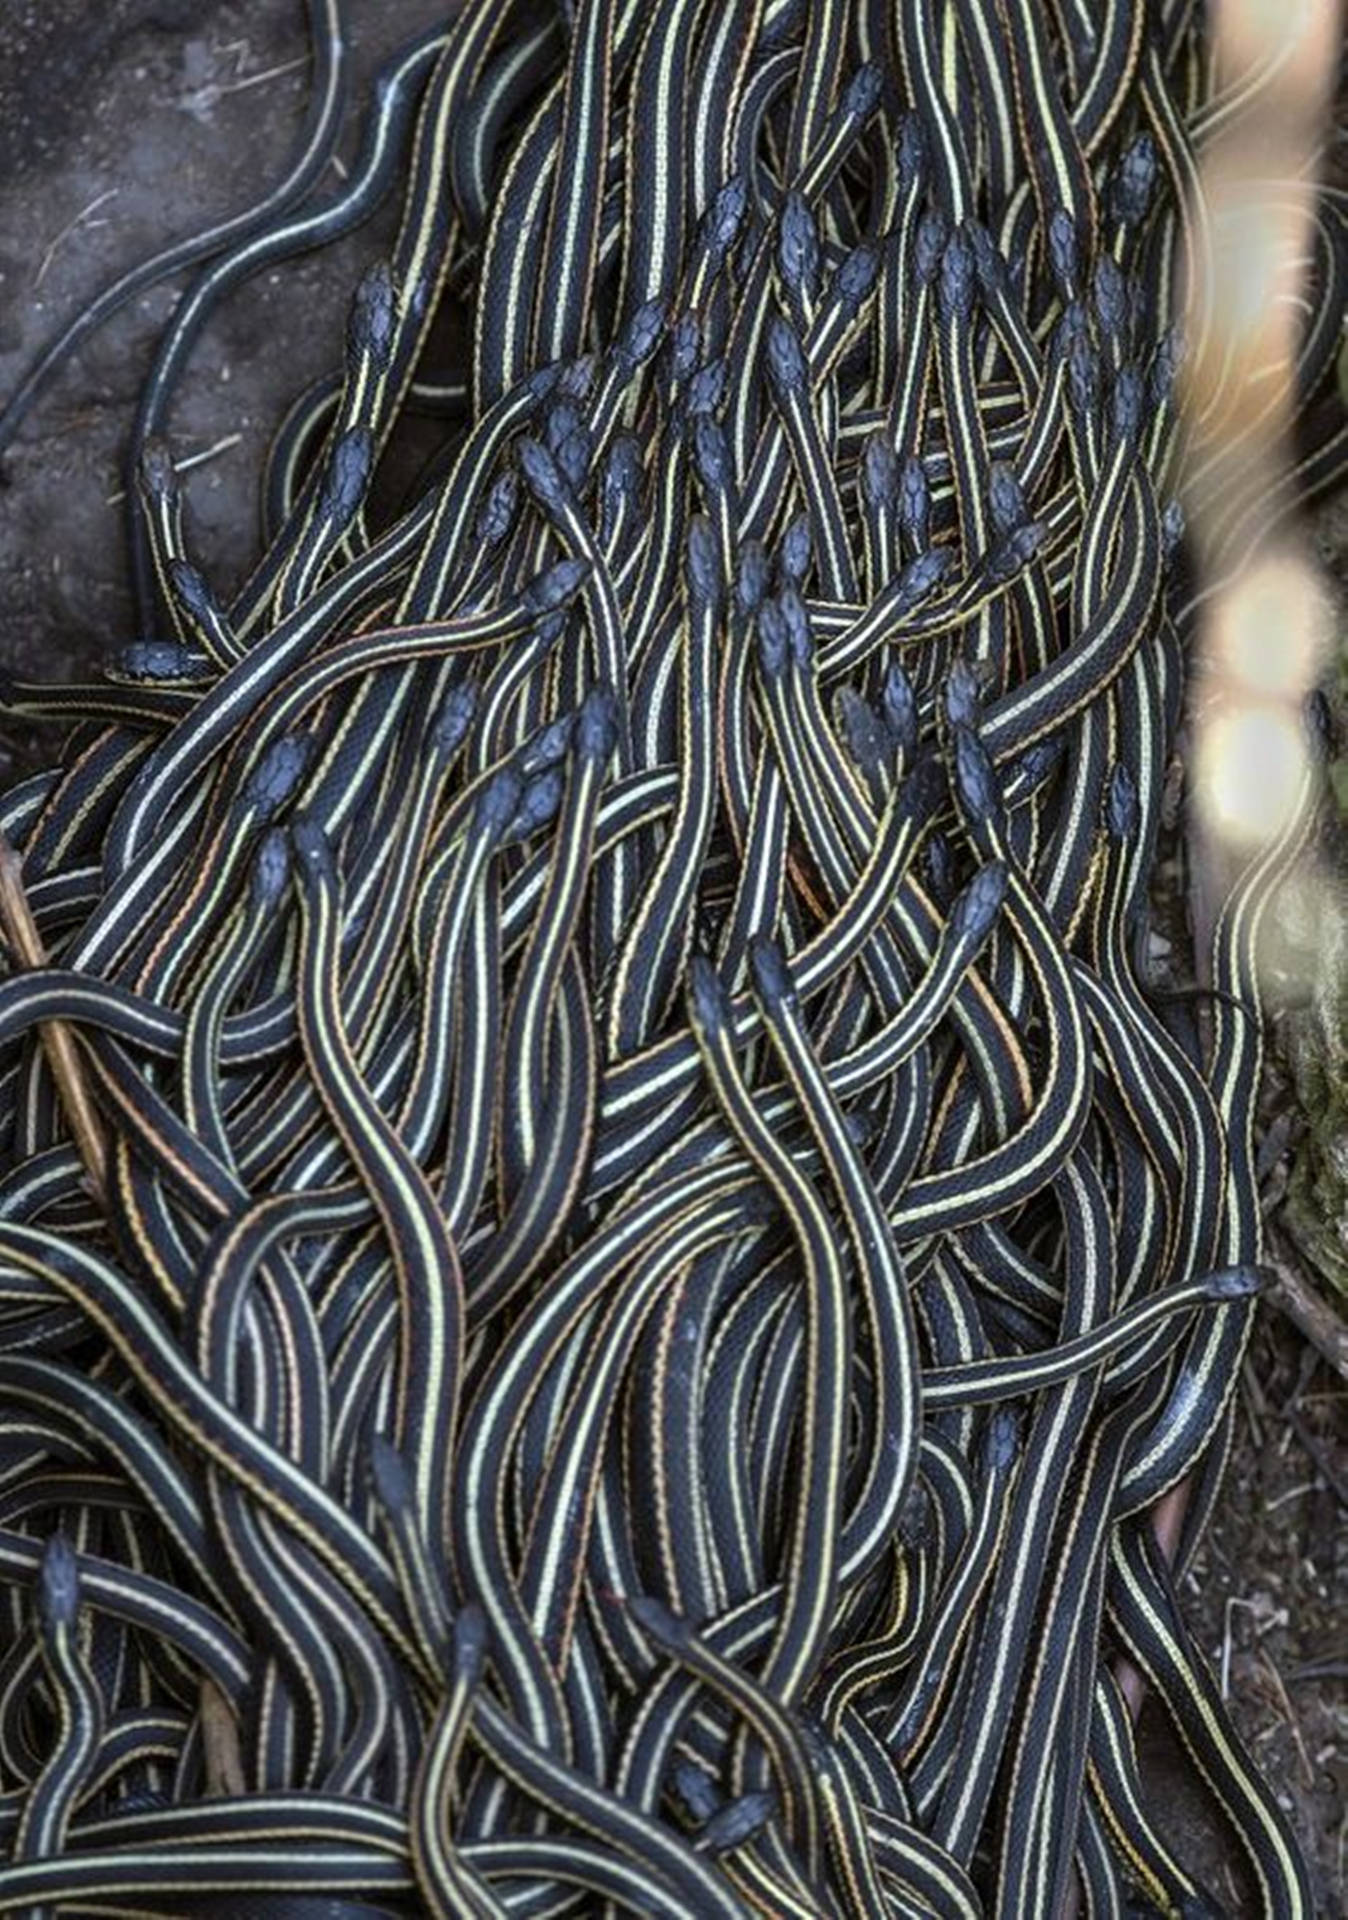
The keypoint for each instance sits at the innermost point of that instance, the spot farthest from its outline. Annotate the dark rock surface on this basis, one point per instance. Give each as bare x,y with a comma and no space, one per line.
125,124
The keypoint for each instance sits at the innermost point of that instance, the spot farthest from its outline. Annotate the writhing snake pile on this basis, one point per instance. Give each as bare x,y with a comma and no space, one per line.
653,1252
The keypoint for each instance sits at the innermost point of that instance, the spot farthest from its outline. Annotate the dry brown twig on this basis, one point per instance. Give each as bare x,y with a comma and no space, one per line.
219,1727
1306,1307
25,944
222,1755
82,221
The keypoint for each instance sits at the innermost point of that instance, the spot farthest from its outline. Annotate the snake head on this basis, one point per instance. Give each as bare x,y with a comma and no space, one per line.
702,558
958,278
1172,529
795,550
389,1476
450,725
798,244
786,359
644,332
914,501
549,746
989,264
315,862
921,576
867,740
1109,296
975,775
725,217
1134,180
774,644
933,230
497,512
1017,549
1001,1441
571,444
753,576
498,802
1319,724
158,660
1083,375
155,469
1063,251
558,585
961,694
879,471
910,152
706,389
623,471
1121,808
938,864
270,874
711,454
976,909
1237,1283
539,803
856,276
1127,400
685,346
348,474
1037,762
471,1640
771,975
898,703
372,316
542,475
666,1628
278,772
1006,498
737,1822
191,590
914,1525
924,787
796,616
58,1584
543,381
708,1002
1165,364
695,1789
861,95
596,732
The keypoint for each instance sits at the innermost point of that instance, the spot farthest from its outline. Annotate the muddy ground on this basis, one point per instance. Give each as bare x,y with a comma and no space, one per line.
125,123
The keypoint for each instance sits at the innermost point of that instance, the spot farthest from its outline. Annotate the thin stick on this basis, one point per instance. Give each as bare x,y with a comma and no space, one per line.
1307,1770
1308,1310
220,1743
72,226
1167,1523
188,461
16,917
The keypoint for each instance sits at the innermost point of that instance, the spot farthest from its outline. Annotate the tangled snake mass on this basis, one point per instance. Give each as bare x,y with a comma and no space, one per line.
607,1245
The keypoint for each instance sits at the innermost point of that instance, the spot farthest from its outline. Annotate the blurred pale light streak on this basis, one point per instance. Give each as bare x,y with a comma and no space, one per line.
1252,761
1265,633
1266,638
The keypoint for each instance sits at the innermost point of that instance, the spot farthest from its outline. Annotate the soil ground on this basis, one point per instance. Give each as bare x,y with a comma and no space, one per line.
126,123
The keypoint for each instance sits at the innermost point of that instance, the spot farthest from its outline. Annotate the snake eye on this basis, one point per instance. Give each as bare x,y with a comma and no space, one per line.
707,996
